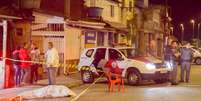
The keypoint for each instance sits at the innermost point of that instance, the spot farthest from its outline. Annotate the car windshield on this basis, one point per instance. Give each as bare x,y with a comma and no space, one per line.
129,53
196,48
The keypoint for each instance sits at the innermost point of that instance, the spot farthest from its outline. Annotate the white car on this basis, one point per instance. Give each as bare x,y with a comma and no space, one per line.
196,55
135,69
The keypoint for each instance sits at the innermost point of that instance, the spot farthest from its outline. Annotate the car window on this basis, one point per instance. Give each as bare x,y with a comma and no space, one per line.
114,54
100,53
129,53
89,53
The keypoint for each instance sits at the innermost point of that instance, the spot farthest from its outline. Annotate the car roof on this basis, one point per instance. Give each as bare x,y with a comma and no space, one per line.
125,48
111,47
98,47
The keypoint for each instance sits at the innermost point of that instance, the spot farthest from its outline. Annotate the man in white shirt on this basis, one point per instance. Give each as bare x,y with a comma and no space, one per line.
52,63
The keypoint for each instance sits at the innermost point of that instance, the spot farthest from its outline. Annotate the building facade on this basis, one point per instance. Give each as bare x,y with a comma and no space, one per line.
149,28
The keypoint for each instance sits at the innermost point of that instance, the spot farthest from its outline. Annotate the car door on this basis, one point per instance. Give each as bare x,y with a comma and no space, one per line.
118,57
86,58
99,55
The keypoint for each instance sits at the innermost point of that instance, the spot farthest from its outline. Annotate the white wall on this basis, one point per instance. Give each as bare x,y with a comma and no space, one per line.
73,42
46,18
2,78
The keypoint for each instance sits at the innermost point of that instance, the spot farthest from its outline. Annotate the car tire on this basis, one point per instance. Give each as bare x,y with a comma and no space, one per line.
87,76
134,77
198,61
159,81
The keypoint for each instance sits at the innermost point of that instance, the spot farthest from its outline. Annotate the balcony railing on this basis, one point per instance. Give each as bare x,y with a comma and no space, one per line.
94,12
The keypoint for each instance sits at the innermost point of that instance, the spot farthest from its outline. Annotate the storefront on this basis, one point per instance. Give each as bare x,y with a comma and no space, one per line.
6,79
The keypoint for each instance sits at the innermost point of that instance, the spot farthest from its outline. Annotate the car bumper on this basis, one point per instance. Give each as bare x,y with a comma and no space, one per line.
155,76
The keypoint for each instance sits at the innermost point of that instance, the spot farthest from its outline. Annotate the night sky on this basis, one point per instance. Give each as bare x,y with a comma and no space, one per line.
182,11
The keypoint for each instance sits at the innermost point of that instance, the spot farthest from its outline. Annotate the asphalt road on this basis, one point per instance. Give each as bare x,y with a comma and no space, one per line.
149,91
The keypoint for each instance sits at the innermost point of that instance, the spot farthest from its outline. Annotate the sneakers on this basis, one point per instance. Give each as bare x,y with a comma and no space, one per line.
181,81
174,83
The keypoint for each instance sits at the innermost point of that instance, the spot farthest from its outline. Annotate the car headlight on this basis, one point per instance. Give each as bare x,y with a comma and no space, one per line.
150,66
169,65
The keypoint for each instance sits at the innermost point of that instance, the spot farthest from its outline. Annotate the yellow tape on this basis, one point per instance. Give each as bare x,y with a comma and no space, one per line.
86,68
42,63
85,90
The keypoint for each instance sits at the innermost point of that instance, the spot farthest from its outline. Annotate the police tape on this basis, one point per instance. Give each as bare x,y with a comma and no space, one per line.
85,90
36,62
43,63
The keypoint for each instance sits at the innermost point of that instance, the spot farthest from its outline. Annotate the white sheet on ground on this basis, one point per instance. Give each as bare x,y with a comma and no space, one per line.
48,91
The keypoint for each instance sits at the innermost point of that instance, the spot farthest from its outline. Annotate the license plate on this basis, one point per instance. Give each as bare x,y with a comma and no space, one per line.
163,71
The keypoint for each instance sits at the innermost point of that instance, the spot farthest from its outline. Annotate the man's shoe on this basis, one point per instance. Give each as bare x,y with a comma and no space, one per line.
174,83
181,81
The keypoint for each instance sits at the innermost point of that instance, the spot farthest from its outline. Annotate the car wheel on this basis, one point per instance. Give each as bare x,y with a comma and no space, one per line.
198,61
87,76
134,77
159,81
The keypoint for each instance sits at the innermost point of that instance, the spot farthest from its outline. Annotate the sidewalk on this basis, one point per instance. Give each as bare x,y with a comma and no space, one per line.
70,81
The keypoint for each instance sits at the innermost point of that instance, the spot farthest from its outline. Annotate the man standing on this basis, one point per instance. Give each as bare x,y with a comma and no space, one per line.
186,57
24,56
16,66
52,63
171,55
35,56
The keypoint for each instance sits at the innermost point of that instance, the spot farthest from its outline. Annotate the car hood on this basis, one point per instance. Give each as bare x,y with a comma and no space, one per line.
147,59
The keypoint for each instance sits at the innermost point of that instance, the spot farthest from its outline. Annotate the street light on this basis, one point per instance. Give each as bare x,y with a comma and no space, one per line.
182,32
198,39
193,22
172,30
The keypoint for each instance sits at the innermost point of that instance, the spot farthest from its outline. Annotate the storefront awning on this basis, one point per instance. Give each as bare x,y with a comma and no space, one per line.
8,17
87,24
118,26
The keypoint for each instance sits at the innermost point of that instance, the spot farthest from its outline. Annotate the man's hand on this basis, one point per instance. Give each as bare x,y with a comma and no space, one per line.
177,54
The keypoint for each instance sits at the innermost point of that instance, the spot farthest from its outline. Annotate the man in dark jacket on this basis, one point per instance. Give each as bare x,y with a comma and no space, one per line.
186,57
171,55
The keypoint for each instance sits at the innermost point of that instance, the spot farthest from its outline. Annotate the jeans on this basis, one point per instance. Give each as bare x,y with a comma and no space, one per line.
17,74
185,69
51,73
173,73
26,76
34,73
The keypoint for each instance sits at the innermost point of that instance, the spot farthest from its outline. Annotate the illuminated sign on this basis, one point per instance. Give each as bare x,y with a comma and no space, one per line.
90,37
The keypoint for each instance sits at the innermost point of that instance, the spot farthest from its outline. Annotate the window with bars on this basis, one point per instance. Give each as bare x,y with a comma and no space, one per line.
55,27
112,10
